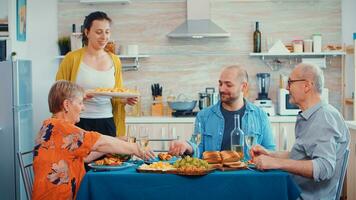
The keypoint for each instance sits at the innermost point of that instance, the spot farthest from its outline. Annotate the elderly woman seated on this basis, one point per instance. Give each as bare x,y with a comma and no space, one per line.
61,148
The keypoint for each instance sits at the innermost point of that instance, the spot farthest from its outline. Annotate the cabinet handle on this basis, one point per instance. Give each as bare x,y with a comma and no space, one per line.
285,141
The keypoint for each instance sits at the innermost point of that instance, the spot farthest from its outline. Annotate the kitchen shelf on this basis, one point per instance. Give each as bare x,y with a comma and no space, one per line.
349,101
105,1
127,67
328,53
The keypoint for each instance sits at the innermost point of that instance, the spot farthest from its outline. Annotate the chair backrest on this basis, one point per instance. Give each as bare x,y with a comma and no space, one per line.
345,161
26,171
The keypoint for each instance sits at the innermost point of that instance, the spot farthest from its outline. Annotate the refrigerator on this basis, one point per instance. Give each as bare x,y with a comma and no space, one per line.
16,124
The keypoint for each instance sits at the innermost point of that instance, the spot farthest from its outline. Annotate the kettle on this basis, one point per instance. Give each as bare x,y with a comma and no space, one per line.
203,100
208,98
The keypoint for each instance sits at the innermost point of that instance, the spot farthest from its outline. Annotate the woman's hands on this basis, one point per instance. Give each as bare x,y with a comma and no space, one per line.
130,101
144,154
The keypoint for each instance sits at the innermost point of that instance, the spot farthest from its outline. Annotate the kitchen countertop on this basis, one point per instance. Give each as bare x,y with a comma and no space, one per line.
187,120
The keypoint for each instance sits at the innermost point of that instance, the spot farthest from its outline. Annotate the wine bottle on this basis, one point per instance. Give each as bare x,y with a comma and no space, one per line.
237,137
257,39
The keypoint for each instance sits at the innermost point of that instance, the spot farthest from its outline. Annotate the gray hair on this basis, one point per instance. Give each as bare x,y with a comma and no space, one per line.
60,91
241,72
314,73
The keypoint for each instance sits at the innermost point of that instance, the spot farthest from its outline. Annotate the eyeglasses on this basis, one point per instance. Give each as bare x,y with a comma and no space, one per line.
293,81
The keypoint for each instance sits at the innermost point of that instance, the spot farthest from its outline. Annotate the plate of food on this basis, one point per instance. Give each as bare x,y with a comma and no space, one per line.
109,163
156,167
163,157
113,92
189,166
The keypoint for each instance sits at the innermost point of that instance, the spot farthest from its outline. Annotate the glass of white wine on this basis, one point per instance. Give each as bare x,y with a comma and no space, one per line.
250,140
143,140
196,139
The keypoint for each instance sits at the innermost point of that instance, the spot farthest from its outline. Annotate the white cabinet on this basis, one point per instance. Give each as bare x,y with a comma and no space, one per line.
284,135
184,131
275,132
161,131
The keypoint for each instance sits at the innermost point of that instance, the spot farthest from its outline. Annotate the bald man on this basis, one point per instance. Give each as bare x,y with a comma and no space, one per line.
322,138
217,121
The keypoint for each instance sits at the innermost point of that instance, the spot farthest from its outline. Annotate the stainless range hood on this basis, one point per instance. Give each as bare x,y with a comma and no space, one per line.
198,23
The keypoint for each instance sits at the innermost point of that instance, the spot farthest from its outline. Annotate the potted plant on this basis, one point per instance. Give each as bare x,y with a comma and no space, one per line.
13,56
64,45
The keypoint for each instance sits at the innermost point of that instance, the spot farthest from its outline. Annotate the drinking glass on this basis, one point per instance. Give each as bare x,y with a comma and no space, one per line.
196,137
143,140
250,140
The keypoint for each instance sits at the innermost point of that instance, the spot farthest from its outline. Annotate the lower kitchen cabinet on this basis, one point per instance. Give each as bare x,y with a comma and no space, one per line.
284,135
161,131
184,131
275,132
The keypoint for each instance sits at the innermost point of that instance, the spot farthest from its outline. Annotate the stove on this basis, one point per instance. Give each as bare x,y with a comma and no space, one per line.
185,113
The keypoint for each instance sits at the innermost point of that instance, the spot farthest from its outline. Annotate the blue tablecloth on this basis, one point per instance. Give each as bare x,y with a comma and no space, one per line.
243,184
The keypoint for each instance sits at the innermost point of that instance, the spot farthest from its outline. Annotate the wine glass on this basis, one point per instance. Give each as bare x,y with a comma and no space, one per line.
143,140
250,140
196,137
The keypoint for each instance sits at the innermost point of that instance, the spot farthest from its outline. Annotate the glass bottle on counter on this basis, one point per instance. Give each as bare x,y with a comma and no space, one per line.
237,137
257,39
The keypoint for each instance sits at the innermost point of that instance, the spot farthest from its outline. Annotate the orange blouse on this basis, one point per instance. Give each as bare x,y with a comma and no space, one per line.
58,161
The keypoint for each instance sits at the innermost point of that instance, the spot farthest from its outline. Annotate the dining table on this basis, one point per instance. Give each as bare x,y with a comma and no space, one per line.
239,184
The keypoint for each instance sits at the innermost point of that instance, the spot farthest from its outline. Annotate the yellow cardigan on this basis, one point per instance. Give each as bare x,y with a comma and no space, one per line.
68,70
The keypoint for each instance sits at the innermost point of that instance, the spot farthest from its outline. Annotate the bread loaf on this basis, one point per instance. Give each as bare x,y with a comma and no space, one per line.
229,156
212,157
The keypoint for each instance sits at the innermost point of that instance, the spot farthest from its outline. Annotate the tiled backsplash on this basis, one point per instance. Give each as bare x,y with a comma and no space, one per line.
189,65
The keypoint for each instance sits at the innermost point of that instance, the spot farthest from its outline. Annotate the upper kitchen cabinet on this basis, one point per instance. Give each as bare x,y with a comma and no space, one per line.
105,1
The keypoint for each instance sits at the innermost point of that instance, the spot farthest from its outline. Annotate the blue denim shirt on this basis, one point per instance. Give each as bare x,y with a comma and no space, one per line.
254,121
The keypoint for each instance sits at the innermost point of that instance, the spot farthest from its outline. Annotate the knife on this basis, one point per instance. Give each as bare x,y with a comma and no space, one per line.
152,90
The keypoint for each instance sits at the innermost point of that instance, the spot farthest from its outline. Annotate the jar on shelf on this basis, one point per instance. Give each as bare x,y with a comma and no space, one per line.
297,46
317,43
308,45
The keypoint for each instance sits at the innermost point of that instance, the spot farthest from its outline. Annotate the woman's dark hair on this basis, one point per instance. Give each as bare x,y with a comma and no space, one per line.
88,22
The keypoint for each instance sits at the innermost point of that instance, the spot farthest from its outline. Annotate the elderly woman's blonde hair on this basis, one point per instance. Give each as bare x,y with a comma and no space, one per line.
60,91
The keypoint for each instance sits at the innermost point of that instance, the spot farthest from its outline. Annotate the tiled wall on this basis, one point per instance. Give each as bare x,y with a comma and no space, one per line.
189,65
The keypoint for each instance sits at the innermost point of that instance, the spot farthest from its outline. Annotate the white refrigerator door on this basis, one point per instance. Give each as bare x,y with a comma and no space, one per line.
22,83
24,141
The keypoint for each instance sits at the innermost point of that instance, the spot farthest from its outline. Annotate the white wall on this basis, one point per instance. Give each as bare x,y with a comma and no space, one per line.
42,50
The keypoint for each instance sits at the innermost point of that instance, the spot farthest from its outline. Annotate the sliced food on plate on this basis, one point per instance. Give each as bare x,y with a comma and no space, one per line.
109,161
224,160
156,166
165,156
114,92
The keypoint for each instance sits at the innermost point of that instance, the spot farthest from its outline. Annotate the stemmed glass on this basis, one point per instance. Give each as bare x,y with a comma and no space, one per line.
250,140
131,132
196,137
144,140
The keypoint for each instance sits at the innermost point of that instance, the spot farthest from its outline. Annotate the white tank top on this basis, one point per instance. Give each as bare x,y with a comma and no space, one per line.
90,78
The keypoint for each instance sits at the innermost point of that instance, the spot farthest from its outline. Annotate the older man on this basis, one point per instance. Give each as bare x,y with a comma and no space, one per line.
217,121
322,138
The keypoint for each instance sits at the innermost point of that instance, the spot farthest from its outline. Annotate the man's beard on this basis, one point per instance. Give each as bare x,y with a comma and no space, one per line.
228,99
